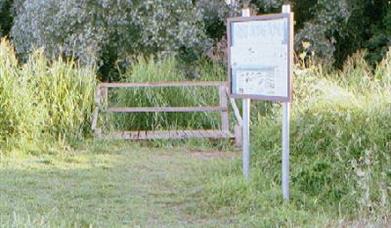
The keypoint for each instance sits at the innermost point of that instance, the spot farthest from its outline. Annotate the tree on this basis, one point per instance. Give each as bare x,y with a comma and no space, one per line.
322,31
6,15
105,32
380,33
111,33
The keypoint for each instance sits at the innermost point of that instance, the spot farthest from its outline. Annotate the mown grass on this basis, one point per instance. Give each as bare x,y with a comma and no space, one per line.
106,184
115,184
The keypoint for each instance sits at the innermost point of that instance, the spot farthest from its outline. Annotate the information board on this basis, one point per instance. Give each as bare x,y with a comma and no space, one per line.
260,56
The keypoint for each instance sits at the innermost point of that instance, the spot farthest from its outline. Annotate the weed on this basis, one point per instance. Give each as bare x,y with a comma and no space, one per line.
340,152
42,102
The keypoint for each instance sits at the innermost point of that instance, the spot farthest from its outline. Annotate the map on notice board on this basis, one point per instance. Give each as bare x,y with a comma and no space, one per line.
259,57
252,81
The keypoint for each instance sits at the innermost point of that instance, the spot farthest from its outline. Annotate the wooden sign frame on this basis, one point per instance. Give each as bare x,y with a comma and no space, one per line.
289,17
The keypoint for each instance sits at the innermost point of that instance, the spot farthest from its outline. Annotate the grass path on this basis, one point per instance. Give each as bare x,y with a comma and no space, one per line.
104,185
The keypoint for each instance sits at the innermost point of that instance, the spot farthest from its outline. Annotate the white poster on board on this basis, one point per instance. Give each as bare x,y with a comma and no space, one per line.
259,58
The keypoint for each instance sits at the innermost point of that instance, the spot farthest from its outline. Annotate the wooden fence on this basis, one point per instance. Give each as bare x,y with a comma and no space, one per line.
102,105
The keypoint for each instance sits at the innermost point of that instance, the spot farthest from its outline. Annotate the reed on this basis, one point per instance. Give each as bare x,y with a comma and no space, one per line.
42,102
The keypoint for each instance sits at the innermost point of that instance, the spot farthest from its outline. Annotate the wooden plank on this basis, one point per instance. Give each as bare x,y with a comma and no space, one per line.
96,110
224,104
238,132
163,84
98,133
97,96
166,109
185,134
234,107
95,119
236,111
104,95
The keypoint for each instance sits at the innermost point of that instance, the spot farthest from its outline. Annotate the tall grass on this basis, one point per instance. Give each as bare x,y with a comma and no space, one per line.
340,152
42,101
166,70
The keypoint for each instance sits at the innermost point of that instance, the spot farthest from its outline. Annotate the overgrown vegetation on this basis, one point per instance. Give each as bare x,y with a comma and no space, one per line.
42,101
340,136
341,120
340,152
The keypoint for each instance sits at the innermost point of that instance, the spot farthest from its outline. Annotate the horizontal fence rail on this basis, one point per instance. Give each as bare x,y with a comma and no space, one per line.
177,134
168,109
101,100
163,84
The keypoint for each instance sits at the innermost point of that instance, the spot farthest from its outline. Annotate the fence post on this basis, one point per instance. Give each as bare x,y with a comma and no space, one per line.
104,103
224,104
95,115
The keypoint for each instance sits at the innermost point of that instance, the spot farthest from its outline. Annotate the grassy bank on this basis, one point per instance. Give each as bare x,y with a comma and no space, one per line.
340,153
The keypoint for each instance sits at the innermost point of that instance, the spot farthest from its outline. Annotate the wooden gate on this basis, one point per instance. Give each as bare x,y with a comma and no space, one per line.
101,101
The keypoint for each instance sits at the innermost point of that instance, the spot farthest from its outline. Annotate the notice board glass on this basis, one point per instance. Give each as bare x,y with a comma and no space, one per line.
260,57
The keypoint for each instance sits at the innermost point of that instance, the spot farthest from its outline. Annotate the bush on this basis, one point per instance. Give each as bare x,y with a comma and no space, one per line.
108,33
7,15
43,101
340,152
112,33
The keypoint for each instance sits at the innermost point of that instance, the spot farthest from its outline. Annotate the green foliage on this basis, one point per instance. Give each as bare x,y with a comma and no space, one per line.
334,29
321,30
6,15
268,6
42,102
112,34
379,43
340,151
214,14
337,29
108,33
